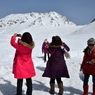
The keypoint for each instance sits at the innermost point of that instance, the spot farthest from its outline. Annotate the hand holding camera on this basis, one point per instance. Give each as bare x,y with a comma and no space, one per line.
91,62
17,35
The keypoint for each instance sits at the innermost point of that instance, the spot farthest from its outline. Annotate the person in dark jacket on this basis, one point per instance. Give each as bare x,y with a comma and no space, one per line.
88,65
56,66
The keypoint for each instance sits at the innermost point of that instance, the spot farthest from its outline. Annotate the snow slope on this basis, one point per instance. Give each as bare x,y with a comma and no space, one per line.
75,36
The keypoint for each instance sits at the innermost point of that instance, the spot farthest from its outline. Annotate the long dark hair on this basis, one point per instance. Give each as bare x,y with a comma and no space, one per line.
56,40
86,49
26,37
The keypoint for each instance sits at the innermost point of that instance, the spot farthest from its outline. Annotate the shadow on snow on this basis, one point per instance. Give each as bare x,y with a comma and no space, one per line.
69,89
7,88
41,87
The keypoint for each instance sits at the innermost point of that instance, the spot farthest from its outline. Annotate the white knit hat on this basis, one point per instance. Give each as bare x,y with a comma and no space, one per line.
91,41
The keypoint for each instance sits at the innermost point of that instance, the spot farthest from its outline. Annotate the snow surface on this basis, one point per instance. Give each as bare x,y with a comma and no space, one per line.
74,36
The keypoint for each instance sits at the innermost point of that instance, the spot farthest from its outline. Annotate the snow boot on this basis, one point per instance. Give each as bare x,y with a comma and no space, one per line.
93,90
52,88
85,88
60,86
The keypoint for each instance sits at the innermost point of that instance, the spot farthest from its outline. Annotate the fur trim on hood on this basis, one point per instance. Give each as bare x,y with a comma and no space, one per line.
31,45
56,46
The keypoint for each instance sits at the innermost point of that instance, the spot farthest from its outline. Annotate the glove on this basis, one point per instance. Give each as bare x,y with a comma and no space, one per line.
61,47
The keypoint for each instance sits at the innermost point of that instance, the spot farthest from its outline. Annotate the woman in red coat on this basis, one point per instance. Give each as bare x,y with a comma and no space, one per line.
23,67
88,65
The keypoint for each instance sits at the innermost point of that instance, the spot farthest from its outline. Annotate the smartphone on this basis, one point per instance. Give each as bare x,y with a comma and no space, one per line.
18,35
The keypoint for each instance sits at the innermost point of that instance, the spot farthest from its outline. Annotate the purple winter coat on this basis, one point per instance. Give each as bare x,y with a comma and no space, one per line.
56,65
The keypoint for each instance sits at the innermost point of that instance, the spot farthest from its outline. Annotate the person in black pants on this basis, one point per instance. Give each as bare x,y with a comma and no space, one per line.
44,49
88,66
23,66
28,84
56,67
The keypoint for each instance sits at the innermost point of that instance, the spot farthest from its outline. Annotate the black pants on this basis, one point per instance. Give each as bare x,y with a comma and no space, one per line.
86,79
57,79
45,56
28,84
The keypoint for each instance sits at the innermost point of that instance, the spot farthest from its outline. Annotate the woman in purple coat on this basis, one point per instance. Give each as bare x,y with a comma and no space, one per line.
56,66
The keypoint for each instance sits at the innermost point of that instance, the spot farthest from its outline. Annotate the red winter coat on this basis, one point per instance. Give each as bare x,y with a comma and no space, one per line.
88,69
22,64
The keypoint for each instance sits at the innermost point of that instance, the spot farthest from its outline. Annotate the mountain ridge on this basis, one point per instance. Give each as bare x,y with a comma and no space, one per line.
52,19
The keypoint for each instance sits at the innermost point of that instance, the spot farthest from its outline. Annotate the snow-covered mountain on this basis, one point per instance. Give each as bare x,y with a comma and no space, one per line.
74,36
87,29
36,19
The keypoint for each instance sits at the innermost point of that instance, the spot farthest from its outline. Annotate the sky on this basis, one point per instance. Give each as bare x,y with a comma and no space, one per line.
79,11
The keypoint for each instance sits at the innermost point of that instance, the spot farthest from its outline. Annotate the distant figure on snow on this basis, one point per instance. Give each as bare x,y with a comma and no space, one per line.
88,65
56,66
23,67
44,49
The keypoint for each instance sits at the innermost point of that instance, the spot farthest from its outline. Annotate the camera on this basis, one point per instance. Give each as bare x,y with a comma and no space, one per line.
88,62
18,35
